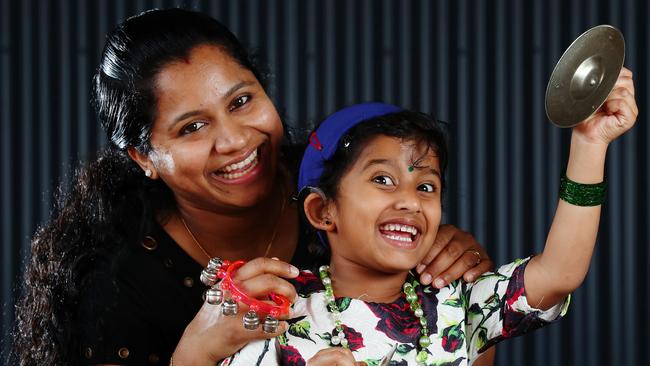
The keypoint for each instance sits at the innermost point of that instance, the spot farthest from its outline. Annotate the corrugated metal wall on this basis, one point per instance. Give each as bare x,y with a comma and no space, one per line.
481,65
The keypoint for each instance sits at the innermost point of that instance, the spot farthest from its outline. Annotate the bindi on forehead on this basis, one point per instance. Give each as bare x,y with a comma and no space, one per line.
421,159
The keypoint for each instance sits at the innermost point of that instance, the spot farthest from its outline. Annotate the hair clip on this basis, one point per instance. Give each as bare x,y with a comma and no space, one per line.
346,141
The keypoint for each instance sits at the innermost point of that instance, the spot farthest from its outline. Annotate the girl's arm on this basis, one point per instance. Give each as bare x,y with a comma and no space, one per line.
563,264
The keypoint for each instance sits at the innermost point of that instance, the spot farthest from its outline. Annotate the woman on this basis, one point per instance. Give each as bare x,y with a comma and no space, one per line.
197,167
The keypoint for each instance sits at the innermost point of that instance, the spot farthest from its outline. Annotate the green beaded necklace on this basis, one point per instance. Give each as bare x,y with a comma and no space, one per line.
411,297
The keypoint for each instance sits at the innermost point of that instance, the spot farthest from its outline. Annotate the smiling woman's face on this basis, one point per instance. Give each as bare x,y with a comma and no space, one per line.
216,137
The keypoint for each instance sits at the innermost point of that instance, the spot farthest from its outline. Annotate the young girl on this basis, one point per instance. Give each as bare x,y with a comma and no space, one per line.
372,182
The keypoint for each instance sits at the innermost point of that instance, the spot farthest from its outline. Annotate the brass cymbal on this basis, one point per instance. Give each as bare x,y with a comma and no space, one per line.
584,76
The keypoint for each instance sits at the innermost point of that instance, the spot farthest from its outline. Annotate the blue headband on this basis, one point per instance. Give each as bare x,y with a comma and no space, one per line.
324,141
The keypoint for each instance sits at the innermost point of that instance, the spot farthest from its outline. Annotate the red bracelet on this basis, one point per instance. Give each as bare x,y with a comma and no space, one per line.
227,271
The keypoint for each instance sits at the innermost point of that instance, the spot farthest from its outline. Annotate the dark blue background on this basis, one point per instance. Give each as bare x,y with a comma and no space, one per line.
481,65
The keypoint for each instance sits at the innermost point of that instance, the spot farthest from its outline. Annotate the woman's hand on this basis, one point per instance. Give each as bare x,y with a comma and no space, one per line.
336,356
615,117
454,253
212,336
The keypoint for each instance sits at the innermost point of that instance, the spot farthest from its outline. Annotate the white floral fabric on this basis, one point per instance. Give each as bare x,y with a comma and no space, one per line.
463,319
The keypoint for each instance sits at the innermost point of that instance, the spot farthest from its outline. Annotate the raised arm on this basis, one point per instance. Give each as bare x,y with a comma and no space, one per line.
564,263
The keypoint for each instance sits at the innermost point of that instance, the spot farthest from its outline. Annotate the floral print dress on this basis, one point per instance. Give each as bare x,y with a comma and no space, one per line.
463,320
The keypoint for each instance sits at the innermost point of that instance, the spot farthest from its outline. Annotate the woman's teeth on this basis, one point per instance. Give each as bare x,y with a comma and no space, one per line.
240,169
242,163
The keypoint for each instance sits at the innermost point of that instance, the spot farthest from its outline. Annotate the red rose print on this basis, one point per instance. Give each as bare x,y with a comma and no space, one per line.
291,357
399,323
355,339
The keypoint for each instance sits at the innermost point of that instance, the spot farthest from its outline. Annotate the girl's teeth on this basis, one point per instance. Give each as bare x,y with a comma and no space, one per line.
403,228
400,238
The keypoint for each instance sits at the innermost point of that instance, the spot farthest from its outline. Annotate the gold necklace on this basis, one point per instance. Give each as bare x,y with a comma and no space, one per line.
268,246
193,237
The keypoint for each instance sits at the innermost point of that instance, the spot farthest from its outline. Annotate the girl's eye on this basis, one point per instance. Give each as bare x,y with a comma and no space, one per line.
427,187
239,102
383,180
192,127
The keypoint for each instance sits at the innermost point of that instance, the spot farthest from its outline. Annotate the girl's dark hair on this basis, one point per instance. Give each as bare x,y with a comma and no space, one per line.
406,125
111,203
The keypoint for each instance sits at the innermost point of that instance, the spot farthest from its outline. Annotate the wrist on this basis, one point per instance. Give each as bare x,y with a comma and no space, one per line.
580,139
586,161
191,356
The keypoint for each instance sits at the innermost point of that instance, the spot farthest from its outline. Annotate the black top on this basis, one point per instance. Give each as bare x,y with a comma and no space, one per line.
135,306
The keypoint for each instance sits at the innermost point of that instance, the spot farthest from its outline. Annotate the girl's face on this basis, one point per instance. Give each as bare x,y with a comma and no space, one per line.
388,207
216,137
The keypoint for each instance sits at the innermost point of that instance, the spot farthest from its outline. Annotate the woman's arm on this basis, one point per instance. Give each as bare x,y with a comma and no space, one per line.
563,265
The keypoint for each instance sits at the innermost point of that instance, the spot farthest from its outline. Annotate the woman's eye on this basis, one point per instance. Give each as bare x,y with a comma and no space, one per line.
192,127
239,101
383,180
427,187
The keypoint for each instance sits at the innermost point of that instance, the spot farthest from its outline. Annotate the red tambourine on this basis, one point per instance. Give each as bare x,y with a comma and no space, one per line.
280,308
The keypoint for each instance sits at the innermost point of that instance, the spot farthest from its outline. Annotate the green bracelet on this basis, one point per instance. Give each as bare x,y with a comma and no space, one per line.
580,194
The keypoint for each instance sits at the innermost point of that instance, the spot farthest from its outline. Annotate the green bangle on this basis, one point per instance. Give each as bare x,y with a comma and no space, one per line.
580,194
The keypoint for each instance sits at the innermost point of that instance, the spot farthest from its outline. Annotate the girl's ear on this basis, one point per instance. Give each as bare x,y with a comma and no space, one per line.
316,207
143,161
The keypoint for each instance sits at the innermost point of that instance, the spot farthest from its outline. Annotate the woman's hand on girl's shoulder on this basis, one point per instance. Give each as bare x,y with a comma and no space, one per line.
212,336
454,254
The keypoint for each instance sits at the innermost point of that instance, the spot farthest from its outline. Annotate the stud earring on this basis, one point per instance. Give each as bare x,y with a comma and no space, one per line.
148,173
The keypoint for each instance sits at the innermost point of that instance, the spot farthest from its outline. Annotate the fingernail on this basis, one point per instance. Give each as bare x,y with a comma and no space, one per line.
294,271
425,279
440,283
420,268
276,258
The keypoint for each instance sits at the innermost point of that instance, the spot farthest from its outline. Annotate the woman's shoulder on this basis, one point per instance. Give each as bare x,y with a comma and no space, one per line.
153,262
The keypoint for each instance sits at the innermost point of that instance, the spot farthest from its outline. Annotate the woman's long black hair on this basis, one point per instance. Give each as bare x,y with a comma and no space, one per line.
111,202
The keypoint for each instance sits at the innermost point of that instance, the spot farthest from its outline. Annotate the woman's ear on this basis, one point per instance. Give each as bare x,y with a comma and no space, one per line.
143,161
316,207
